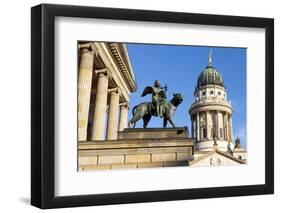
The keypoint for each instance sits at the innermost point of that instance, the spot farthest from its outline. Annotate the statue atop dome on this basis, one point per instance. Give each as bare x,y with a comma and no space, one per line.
210,58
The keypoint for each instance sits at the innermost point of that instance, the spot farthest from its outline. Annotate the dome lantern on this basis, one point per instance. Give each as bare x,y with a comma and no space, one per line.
210,75
210,59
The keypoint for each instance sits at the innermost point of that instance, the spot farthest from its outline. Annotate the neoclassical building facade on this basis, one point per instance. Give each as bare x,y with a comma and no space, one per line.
105,81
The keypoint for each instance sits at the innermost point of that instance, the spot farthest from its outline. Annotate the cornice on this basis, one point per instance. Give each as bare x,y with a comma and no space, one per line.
125,70
203,105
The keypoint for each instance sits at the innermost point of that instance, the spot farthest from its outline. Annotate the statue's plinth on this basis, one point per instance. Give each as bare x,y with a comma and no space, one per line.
154,133
138,148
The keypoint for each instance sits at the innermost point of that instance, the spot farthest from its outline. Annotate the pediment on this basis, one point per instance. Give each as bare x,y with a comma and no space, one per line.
216,158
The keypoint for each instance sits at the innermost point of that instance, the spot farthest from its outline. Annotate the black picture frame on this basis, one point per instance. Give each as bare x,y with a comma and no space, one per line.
43,105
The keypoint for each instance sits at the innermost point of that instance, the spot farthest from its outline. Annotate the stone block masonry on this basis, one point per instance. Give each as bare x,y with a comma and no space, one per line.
134,153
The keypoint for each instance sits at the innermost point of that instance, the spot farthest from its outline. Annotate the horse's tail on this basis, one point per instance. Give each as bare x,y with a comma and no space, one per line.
133,113
134,109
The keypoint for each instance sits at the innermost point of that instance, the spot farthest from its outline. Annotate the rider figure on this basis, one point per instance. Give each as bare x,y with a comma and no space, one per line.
157,97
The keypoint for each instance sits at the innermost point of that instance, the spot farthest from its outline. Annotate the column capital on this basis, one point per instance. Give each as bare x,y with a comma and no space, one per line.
85,45
87,48
102,72
116,90
125,104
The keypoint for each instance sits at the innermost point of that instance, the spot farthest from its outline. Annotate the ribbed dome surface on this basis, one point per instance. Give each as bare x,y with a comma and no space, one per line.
210,76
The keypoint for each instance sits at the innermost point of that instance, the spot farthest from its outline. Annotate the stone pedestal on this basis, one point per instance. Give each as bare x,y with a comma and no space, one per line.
154,133
138,148
135,153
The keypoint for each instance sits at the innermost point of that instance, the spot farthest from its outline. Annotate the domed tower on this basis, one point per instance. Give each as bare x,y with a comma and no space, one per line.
211,112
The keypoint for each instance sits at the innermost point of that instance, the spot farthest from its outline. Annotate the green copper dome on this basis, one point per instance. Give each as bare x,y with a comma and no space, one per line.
210,75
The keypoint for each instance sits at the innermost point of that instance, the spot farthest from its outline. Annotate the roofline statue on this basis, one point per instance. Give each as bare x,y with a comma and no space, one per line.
158,107
158,95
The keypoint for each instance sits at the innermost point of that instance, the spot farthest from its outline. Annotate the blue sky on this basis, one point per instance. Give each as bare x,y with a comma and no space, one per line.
179,68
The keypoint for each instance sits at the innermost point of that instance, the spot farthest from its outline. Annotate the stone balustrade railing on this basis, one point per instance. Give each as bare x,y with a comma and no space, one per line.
211,100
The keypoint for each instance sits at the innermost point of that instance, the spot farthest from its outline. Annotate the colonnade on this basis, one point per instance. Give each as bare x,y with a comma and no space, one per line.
197,126
103,112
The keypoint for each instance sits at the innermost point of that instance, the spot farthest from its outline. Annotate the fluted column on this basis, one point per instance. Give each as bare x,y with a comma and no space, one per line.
84,90
192,127
226,127
113,114
230,129
100,105
217,124
92,109
207,125
123,122
198,126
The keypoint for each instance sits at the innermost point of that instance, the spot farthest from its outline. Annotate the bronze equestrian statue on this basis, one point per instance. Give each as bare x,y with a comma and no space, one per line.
159,107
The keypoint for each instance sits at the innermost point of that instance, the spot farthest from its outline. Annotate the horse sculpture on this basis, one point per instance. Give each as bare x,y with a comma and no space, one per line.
146,110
